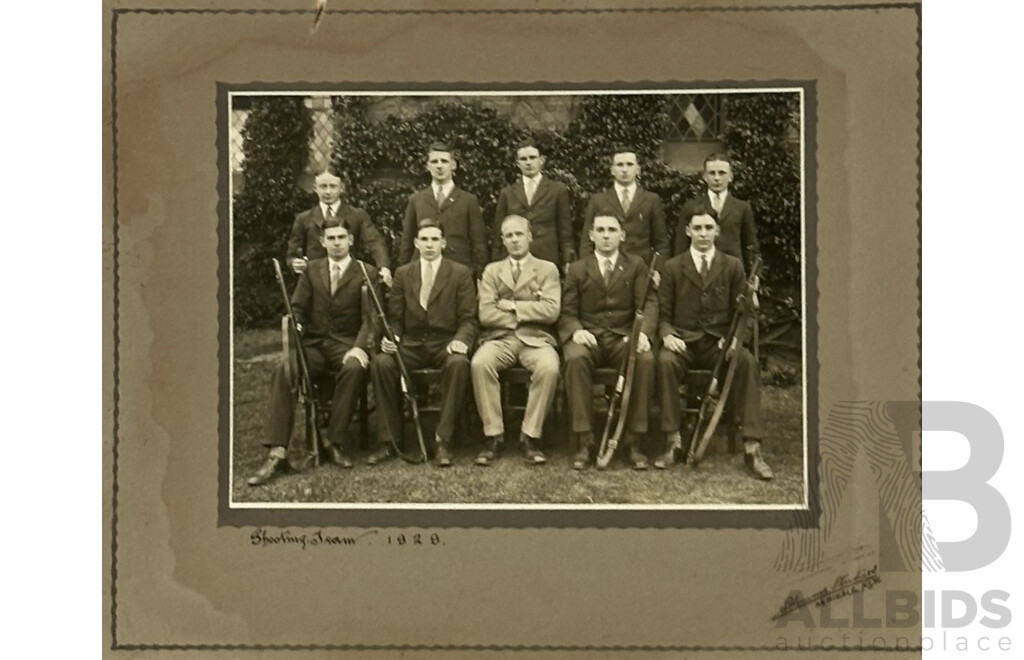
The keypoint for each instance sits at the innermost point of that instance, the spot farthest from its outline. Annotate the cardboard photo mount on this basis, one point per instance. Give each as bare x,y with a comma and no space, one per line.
179,577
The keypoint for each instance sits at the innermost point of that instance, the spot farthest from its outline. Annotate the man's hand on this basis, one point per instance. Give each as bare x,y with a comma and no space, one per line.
656,279
385,276
456,346
299,265
643,344
584,338
298,327
674,344
506,305
358,354
387,346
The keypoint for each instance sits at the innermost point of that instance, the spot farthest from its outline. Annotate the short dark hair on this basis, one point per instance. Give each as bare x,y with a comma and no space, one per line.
441,146
699,209
622,149
607,215
426,223
335,221
718,155
526,143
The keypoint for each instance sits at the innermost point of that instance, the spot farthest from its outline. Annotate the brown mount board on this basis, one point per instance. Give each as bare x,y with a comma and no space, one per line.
182,575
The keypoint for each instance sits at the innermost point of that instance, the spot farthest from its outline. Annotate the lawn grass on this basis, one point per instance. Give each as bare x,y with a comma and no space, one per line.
721,479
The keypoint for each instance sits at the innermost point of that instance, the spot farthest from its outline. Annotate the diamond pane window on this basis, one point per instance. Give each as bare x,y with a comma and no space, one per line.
694,117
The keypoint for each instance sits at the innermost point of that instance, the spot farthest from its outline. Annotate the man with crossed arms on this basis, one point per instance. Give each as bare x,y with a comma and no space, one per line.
519,300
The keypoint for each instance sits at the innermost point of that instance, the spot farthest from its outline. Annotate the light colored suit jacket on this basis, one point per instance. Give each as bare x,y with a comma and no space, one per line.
538,297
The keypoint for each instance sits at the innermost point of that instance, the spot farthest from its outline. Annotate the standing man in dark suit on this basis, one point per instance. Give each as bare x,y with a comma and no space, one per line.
454,209
641,211
697,300
737,233
304,242
336,333
542,201
519,301
432,311
601,296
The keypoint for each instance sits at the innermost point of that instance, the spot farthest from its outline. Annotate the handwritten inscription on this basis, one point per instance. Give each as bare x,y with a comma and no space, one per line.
843,586
263,538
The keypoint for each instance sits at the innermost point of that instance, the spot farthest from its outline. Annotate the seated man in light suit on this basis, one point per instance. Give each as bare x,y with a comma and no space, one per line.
519,300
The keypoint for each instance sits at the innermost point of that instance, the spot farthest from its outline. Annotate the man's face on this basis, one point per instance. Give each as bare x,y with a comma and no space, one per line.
337,242
607,234
702,230
515,234
440,164
718,175
328,188
430,243
625,168
529,161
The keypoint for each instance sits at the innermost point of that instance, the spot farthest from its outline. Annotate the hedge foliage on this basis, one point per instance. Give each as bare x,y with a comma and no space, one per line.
275,141
382,162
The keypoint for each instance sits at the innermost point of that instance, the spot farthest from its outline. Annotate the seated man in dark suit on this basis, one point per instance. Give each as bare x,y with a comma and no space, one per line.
602,293
697,300
641,211
519,300
336,333
432,311
737,233
304,240
454,209
542,201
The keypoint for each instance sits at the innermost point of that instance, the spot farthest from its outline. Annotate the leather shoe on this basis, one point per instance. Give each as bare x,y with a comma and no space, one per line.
382,454
673,442
636,457
338,457
582,457
490,452
266,471
532,455
755,462
443,454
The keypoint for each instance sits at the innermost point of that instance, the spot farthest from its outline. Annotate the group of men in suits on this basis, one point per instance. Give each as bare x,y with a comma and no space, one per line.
520,312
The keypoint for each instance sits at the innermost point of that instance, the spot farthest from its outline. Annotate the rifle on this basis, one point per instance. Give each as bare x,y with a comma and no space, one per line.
299,458
624,382
403,375
733,342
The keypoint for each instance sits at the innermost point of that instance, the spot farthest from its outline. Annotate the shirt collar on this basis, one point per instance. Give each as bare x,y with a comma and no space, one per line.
631,188
343,264
446,188
336,206
600,258
697,256
435,264
535,179
723,195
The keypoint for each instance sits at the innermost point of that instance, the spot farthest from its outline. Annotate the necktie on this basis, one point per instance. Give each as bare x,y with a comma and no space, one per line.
516,269
607,274
716,201
335,277
704,267
531,188
428,283
439,196
330,212
625,200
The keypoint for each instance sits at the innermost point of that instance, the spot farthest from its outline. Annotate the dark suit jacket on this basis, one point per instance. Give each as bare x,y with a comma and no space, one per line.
737,234
587,304
550,220
450,312
464,232
689,308
644,224
304,240
342,316
537,295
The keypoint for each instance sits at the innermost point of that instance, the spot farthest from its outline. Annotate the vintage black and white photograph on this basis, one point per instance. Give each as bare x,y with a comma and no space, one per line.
518,299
